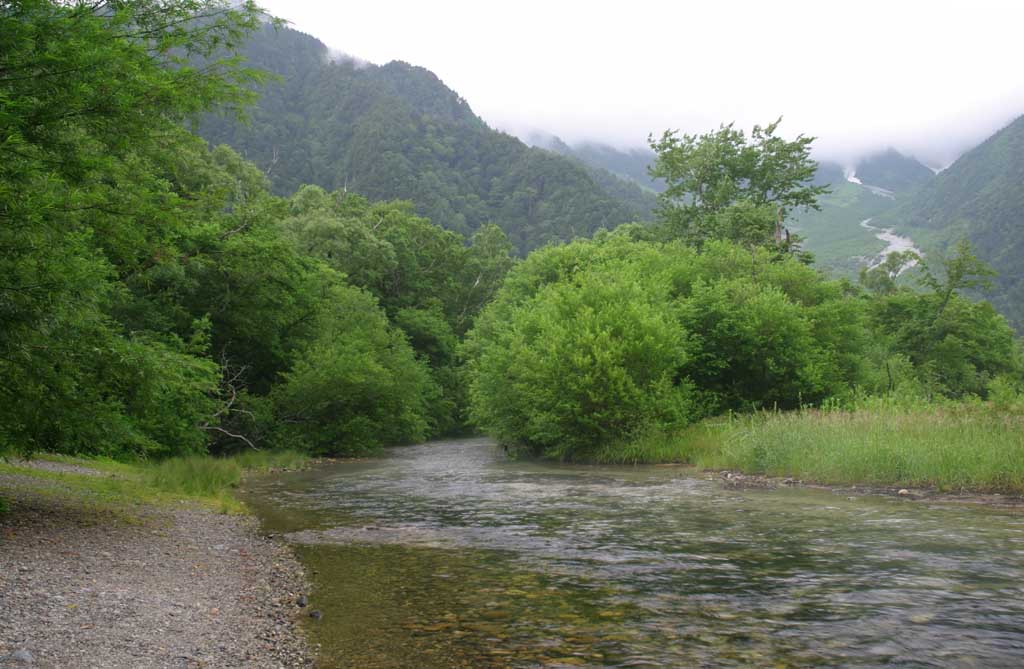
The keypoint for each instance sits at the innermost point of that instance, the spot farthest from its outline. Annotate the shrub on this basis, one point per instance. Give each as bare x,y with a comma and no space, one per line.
355,387
583,364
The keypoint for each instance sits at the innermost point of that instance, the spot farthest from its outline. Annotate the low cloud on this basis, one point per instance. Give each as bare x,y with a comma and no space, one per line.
928,78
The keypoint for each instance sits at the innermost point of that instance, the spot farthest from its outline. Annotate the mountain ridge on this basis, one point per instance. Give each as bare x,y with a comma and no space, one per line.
979,197
396,131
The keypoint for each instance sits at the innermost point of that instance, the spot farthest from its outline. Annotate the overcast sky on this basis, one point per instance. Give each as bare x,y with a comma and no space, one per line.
930,78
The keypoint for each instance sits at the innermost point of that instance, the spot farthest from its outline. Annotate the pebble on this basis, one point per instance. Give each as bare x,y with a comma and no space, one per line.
21,657
303,600
315,614
216,586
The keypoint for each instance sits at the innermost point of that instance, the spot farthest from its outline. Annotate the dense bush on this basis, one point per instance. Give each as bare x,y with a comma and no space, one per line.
356,386
597,342
955,351
584,363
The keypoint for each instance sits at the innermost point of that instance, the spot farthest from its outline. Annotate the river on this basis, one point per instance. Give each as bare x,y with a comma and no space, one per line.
451,555
894,244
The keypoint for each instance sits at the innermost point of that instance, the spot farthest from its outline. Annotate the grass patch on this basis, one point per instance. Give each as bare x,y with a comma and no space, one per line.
688,446
103,494
99,463
946,447
206,480
194,476
954,447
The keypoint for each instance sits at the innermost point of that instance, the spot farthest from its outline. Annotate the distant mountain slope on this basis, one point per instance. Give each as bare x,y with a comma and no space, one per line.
396,131
835,235
981,197
893,171
630,164
829,173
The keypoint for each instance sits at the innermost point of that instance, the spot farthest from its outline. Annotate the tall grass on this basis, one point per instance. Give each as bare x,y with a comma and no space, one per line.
950,446
202,475
197,476
688,446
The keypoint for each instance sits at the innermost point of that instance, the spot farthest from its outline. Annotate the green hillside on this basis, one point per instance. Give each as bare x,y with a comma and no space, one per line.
396,131
629,164
893,171
835,235
980,197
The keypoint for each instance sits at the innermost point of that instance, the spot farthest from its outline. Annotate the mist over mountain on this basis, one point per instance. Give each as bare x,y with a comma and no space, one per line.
893,171
396,131
631,164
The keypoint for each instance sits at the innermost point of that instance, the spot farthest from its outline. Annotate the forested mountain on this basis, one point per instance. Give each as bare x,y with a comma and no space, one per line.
629,164
893,171
396,131
980,197
829,173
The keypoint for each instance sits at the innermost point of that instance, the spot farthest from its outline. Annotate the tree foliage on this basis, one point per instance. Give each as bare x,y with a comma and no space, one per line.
152,303
597,342
356,386
92,95
720,185
957,347
659,331
429,281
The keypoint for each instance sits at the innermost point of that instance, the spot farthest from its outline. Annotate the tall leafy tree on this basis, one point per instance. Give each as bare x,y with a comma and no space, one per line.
92,97
724,185
430,281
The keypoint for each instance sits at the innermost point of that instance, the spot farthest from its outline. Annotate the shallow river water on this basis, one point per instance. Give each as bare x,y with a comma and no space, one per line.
450,555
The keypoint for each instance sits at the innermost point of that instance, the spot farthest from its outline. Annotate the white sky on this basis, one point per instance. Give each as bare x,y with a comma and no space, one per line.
930,78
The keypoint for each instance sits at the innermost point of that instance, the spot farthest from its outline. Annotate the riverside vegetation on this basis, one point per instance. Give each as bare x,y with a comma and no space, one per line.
625,347
161,302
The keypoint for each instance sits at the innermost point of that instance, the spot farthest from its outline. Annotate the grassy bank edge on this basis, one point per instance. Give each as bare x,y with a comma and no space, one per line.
953,447
106,484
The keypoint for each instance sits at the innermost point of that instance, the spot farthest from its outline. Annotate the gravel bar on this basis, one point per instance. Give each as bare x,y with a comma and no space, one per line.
153,586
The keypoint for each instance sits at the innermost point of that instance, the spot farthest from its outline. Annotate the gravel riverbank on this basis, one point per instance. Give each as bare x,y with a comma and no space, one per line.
87,585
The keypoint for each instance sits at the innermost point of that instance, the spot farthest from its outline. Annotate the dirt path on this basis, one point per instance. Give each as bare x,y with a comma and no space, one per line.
148,586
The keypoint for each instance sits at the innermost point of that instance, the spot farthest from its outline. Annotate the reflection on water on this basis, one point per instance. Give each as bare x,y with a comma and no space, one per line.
449,555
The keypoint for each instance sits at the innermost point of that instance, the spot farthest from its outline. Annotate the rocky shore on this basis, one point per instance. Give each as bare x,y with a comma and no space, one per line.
739,480
88,585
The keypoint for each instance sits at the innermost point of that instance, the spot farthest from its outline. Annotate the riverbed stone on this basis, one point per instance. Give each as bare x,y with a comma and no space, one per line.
140,585
20,658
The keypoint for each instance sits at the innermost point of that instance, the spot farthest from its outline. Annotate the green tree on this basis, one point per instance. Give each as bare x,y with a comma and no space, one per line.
92,97
720,185
583,364
356,386
429,281
961,271
881,279
956,346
